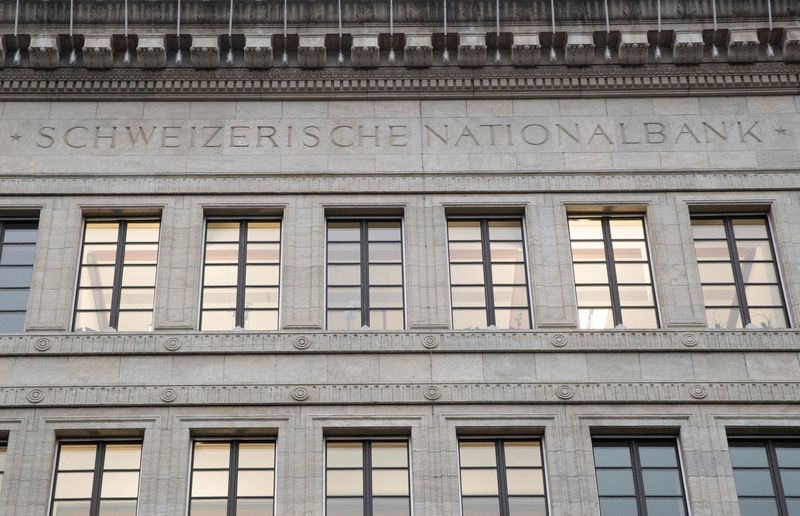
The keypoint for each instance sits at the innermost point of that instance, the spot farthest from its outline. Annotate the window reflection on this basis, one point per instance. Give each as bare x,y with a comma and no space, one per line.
17,246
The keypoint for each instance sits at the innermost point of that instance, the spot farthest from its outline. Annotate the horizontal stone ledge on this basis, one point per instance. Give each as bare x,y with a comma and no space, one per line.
406,393
628,341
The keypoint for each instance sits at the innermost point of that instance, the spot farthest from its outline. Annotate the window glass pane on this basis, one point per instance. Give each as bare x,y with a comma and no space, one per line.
389,455
12,322
665,507
763,295
61,508
467,274
525,481
260,297
344,320
383,230
791,482
264,231
466,252
505,230
344,253
266,275
630,251
261,320
478,482
345,455
345,274
117,508
507,274
793,506
76,457
390,482
633,273
618,507
94,254
759,273
636,296
135,321
720,295
222,232
712,250
385,275
386,319
510,296
481,506
390,507
254,507
788,457
14,299
596,318
594,296
469,319
751,482
210,484
344,231
142,232
750,250
639,318
749,456
585,229
750,228
101,232
464,230
120,484
345,507
94,299
768,317
588,251
385,252
661,482
17,254
90,276
758,507
515,319
136,298
222,275
469,296
622,228
615,482
3,450
708,228
255,483
527,506
19,233
522,453
612,456
222,253
122,456
591,273
137,276
257,455
263,253
344,297
477,454
71,485
16,276
386,297
218,321
345,482
716,272
658,457
724,318
215,297
92,321
209,508
141,253
507,251
211,455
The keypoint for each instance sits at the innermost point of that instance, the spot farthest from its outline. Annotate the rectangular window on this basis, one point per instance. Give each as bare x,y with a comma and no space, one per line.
241,275
613,278
738,272
117,277
767,473
365,275
368,478
3,453
96,478
488,274
639,477
502,477
17,246
232,478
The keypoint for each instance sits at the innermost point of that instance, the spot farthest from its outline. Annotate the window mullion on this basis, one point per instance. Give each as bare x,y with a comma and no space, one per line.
638,478
241,275
364,234
116,293
491,320
612,271
233,466
775,473
367,478
737,271
97,484
501,478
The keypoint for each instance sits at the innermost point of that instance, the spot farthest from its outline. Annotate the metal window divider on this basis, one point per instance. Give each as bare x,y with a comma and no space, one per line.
502,480
775,475
367,459
738,278
97,481
638,477
487,273
241,275
116,292
233,466
364,257
613,285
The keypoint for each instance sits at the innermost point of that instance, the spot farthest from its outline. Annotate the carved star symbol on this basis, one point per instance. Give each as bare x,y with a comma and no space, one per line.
16,137
781,131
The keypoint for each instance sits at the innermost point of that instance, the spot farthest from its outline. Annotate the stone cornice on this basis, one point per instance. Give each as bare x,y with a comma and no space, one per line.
628,341
763,78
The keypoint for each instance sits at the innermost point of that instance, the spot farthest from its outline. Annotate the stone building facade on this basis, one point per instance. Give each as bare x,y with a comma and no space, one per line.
497,283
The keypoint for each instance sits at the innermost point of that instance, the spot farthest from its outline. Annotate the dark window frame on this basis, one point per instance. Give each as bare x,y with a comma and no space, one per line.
500,465
241,264
735,261
233,470
633,444
486,254
364,264
773,465
611,262
97,471
24,221
367,468
119,266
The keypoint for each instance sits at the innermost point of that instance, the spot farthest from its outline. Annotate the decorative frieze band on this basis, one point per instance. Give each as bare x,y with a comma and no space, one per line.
371,394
